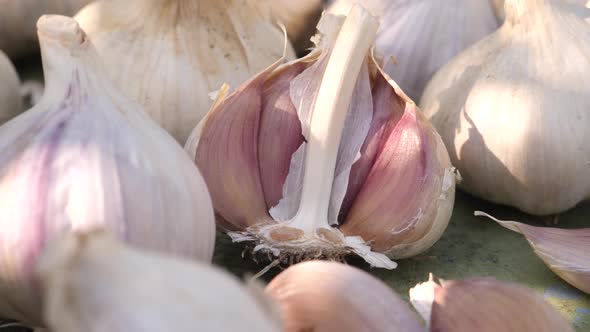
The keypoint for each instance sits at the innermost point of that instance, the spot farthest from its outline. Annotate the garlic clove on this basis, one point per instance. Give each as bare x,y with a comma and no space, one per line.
86,157
485,304
169,55
564,251
91,282
10,102
419,187
326,296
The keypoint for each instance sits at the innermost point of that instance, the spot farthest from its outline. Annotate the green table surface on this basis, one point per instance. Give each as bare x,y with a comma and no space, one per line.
471,246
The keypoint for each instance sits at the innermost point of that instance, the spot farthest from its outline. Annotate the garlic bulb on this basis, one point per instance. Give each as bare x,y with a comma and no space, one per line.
326,296
422,36
513,109
564,251
300,18
170,54
484,305
93,283
325,141
18,36
86,157
10,102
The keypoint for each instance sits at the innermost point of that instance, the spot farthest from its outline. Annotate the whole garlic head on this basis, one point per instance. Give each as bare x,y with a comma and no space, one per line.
513,110
88,157
169,55
423,35
10,102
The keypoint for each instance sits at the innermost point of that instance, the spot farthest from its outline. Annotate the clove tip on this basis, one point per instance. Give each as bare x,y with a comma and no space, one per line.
61,28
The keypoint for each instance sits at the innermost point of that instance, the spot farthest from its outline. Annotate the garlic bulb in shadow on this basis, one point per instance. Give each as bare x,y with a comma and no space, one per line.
169,55
422,36
88,157
328,297
300,18
18,35
93,283
513,110
10,101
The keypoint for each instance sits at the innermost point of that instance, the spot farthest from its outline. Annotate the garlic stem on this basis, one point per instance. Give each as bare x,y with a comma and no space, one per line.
350,50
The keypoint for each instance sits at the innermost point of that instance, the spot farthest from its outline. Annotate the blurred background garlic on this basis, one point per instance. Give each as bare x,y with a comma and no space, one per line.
422,35
514,109
326,141
327,297
93,283
300,18
484,305
10,100
88,157
18,35
169,55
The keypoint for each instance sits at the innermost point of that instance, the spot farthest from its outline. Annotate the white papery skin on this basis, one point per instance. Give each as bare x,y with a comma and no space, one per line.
499,6
422,35
88,157
18,35
93,283
513,110
10,102
170,54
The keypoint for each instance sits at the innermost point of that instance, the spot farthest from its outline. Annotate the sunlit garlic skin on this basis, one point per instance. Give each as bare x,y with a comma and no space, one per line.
513,110
328,297
10,102
484,305
169,55
265,151
88,157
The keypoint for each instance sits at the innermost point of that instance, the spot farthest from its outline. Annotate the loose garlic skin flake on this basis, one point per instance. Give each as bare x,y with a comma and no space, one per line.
85,157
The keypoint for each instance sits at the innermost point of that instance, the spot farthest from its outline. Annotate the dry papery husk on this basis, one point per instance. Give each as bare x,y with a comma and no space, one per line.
484,305
18,32
564,251
324,296
10,101
169,55
92,282
300,18
513,110
419,37
266,152
86,156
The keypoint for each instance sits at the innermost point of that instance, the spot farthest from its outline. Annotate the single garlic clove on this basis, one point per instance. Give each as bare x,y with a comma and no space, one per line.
419,188
564,251
485,305
86,156
10,102
326,296
92,282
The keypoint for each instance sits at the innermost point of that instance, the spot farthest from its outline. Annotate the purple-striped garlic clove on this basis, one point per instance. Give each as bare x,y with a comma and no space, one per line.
564,251
325,156
484,305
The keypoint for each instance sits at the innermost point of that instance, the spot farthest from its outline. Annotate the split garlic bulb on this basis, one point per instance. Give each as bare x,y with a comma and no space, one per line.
93,283
513,110
327,297
323,141
300,18
169,55
18,35
424,35
10,102
87,157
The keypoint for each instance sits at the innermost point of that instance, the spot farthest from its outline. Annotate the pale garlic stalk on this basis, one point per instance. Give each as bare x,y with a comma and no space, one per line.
326,156
327,297
484,305
417,37
92,282
564,251
10,101
18,35
169,55
86,157
513,110
300,18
